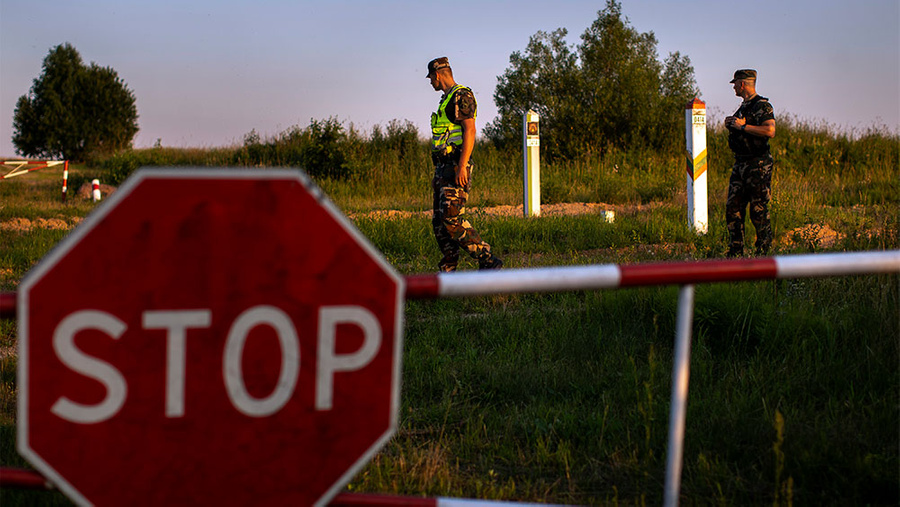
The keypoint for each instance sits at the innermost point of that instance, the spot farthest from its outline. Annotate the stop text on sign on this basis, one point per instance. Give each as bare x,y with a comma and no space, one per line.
178,323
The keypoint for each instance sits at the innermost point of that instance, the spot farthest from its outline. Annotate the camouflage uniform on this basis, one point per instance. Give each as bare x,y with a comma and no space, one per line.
751,179
451,229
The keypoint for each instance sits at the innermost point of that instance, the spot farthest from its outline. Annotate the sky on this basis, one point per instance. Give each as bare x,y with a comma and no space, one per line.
207,72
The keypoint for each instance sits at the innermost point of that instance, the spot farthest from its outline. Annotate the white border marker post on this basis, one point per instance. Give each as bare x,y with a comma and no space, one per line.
695,135
531,180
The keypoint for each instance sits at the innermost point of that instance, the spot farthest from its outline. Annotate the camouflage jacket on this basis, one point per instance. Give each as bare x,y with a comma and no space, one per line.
746,146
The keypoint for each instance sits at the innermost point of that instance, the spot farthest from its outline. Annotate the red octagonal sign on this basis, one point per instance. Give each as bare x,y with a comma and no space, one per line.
209,337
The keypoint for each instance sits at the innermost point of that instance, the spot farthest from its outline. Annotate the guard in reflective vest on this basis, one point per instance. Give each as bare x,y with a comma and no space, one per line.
452,143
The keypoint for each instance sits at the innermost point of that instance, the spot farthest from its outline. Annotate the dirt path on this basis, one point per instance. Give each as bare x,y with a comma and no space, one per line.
566,208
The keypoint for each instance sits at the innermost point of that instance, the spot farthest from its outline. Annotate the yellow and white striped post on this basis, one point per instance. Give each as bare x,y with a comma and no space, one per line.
531,180
695,135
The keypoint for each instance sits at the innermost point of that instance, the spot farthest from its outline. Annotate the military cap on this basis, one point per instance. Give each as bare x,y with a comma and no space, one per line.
438,63
743,74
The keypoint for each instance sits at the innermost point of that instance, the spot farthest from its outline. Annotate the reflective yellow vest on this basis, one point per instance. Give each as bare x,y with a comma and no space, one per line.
444,133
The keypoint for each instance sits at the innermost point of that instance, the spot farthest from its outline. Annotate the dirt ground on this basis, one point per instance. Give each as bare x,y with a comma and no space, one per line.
821,235
567,208
27,225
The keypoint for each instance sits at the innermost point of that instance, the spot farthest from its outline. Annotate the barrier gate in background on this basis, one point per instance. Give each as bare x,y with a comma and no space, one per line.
20,167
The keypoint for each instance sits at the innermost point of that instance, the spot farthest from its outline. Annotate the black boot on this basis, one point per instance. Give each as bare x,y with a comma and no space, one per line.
448,263
493,262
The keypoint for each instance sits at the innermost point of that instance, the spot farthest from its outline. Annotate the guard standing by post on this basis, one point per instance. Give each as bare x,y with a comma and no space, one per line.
749,131
452,143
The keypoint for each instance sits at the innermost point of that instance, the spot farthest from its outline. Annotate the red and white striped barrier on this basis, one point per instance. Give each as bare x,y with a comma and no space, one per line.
361,499
612,276
20,167
29,479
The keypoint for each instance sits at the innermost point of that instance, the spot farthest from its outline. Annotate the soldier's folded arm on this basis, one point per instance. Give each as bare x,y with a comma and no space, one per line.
767,129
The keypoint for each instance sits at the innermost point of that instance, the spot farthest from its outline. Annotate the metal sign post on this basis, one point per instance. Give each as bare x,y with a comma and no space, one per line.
531,202
678,407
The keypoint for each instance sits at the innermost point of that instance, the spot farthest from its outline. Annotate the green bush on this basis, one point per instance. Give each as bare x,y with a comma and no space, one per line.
117,168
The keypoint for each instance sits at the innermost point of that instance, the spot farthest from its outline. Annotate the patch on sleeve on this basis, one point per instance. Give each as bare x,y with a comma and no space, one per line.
465,105
763,111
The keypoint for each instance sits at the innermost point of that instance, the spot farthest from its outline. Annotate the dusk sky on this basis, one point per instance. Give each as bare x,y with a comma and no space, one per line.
207,72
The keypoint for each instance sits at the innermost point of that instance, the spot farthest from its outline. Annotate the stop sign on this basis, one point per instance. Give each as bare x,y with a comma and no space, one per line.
209,336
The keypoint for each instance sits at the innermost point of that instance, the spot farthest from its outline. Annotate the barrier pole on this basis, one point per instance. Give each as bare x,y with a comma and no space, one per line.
22,479
65,180
531,179
678,407
7,305
612,276
695,136
30,479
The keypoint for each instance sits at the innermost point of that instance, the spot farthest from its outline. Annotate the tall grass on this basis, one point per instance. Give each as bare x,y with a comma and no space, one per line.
564,398
389,167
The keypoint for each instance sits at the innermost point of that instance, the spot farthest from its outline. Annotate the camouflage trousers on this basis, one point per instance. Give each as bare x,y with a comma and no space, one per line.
451,229
750,185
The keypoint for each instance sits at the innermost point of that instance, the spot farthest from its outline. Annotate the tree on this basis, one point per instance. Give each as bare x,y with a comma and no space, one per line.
74,110
541,80
609,90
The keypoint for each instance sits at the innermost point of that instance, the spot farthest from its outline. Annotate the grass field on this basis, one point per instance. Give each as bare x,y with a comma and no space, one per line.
794,393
